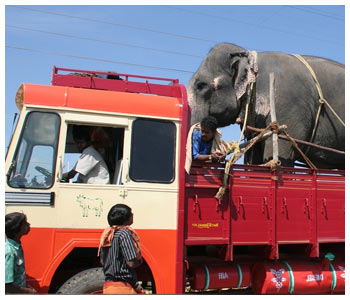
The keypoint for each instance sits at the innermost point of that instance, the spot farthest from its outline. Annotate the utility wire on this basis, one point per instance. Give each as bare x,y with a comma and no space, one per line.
222,18
98,59
117,24
266,18
317,12
102,41
179,35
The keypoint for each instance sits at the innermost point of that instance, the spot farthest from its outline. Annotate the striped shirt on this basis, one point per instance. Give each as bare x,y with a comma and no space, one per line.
114,258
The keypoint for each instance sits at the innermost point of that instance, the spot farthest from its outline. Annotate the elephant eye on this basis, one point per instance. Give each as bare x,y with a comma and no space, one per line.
201,85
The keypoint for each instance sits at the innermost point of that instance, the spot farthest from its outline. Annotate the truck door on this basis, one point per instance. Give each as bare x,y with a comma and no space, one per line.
85,205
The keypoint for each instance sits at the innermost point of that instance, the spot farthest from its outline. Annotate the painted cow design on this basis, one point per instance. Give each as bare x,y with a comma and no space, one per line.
87,204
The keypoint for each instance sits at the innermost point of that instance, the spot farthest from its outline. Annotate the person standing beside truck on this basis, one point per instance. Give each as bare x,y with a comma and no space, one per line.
90,165
16,226
204,142
120,252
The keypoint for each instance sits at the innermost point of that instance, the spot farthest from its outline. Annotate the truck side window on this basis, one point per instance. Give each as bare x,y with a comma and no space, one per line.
153,151
34,162
107,141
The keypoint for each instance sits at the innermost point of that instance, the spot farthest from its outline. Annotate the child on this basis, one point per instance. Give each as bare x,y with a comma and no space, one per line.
16,226
120,252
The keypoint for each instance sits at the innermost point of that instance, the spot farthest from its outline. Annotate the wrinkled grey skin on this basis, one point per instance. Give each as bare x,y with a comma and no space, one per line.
211,91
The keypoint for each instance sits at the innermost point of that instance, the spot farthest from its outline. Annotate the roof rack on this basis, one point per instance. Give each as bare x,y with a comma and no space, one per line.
111,81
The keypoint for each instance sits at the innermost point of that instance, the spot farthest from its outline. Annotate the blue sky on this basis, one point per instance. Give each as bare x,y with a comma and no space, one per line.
163,41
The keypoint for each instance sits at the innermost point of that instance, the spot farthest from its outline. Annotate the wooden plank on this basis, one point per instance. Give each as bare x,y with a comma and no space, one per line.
273,116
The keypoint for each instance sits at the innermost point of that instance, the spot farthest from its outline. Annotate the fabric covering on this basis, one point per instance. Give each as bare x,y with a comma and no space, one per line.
219,145
251,74
118,287
108,234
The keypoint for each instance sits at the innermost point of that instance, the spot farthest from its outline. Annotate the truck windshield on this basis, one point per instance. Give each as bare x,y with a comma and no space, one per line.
34,161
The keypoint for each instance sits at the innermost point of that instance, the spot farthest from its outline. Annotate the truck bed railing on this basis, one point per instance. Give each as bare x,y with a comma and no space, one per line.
112,81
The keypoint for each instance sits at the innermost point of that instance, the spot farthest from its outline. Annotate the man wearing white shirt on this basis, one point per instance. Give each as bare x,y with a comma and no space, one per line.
90,165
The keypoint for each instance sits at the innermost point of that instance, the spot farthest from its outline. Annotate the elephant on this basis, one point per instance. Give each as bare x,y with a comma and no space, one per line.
220,87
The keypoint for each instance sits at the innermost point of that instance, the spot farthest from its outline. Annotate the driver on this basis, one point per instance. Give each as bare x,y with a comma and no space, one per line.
90,165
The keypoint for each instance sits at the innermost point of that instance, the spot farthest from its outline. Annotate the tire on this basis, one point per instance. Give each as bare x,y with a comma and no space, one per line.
89,281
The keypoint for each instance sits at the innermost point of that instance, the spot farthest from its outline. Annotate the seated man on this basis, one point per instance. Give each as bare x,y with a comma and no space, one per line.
90,165
204,143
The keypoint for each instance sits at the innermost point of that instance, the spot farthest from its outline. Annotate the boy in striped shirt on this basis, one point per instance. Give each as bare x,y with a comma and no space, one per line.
120,252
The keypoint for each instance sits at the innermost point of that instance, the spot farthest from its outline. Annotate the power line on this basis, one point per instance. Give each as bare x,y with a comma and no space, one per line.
98,59
334,14
184,36
117,24
254,25
317,12
103,41
266,18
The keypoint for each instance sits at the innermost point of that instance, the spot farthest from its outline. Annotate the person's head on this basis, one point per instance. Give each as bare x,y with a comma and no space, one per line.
16,225
81,137
120,214
208,128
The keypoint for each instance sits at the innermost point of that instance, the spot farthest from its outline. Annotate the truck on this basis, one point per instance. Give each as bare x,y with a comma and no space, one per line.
273,232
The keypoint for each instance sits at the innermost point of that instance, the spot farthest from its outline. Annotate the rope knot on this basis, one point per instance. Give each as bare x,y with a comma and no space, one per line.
233,147
274,126
322,100
273,164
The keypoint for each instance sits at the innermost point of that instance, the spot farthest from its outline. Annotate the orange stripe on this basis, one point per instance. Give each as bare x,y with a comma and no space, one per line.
109,101
158,250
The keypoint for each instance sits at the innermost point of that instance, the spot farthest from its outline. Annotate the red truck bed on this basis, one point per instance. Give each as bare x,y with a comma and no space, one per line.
268,209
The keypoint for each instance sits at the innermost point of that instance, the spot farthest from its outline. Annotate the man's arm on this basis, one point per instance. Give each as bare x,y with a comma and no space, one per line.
129,251
134,263
69,174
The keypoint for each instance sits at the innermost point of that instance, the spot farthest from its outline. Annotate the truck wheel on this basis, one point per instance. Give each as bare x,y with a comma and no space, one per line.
89,281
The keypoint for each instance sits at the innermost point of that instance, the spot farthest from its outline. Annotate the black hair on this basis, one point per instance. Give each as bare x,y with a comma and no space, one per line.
81,133
13,223
210,123
118,214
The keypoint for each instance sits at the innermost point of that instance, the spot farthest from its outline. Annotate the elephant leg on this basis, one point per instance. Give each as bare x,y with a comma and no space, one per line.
286,153
255,155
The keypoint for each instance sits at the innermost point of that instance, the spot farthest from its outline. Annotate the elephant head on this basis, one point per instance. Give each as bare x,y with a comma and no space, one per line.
219,83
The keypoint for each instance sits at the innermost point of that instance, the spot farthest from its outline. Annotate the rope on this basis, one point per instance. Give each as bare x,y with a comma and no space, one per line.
246,111
300,141
236,156
234,148
273,126
273,164
322,100
308,161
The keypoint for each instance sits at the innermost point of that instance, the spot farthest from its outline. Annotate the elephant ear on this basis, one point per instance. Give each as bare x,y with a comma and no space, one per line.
244,70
